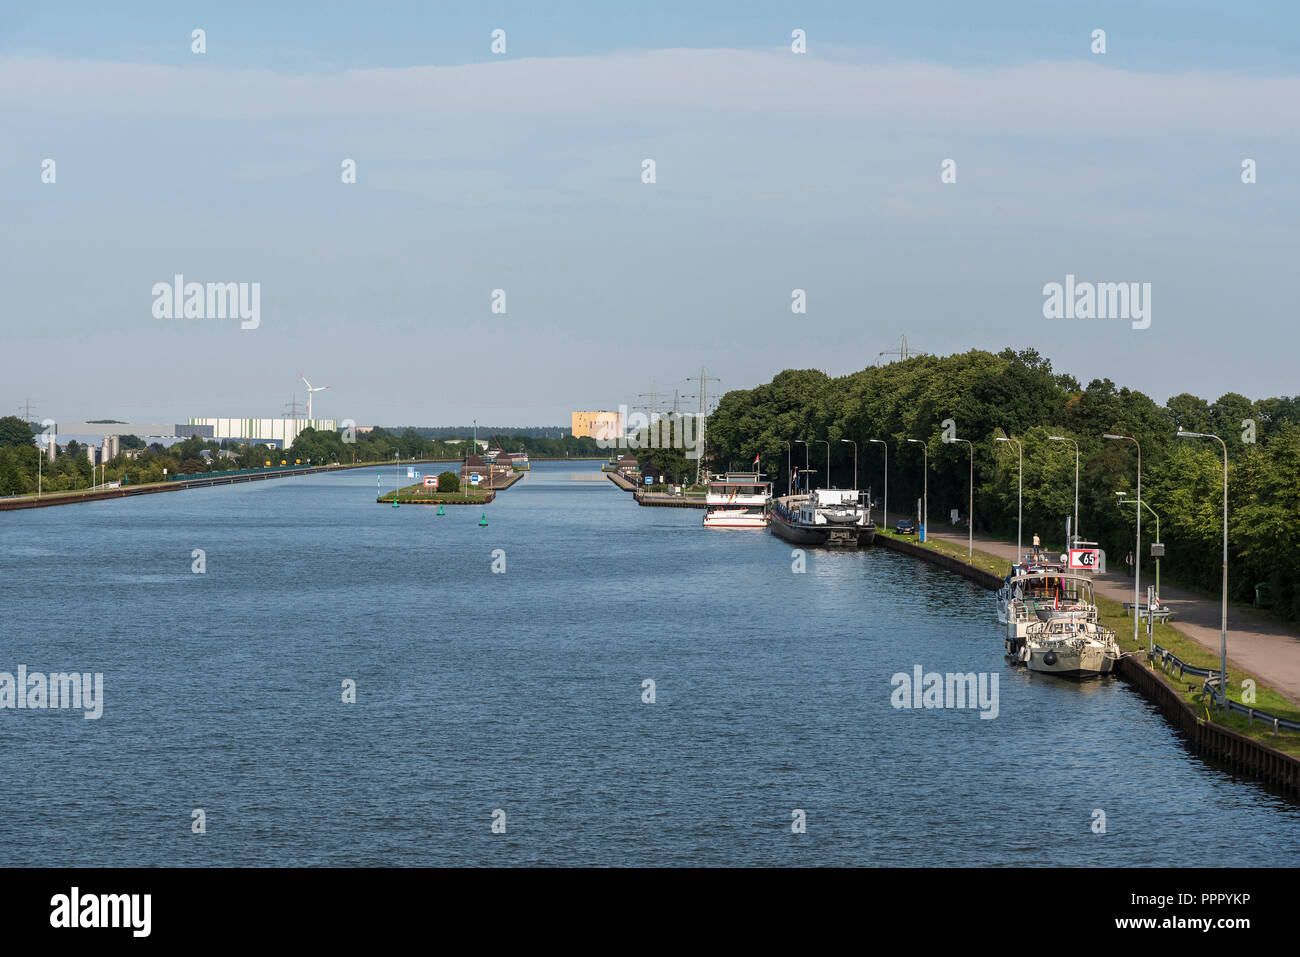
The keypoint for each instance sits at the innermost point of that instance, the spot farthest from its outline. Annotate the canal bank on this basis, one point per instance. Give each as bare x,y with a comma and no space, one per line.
176,485
1207,735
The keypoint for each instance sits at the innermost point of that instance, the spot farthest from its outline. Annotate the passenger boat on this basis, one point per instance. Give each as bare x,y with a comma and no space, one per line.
837,518
1071,646
1032,598
737,500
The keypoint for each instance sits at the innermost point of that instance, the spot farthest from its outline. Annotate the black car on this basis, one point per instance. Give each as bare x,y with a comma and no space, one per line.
905,526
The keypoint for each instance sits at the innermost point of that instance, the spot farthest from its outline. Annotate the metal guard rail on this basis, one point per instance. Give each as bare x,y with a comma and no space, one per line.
1211,687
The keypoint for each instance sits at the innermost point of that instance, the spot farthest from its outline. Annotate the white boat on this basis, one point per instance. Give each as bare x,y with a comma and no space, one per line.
737,500
1070,647
1034,583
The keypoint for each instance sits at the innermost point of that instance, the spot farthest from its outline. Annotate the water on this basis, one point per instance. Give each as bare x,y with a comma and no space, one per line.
522,692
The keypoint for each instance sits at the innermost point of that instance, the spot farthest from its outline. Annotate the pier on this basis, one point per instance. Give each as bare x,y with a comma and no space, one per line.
656,499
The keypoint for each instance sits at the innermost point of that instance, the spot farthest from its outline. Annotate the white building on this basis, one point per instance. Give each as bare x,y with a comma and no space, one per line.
277,432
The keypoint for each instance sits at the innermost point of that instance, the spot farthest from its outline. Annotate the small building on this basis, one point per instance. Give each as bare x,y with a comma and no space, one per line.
473,465
628,467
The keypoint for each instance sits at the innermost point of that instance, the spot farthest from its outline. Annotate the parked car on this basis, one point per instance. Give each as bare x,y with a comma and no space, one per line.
905,526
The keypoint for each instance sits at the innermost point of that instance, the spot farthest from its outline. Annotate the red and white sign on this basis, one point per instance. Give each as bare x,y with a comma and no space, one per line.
431,481
1088,559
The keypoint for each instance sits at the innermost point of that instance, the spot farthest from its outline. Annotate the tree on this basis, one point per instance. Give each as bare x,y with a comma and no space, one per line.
14,432
448,482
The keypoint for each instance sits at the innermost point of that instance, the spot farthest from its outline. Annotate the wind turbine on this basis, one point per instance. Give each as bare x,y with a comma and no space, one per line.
310,390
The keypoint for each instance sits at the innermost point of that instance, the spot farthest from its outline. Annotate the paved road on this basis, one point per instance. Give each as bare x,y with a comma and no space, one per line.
1256,644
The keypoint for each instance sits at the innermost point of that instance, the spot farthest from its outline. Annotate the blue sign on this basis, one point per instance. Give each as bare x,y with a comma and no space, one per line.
649,480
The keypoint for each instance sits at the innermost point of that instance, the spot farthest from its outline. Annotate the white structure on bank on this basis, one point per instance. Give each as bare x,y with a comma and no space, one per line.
278,432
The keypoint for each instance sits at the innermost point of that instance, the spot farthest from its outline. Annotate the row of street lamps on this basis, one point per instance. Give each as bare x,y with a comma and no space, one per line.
1020,466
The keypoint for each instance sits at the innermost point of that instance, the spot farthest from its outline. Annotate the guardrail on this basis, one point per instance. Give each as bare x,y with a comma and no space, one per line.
1213,677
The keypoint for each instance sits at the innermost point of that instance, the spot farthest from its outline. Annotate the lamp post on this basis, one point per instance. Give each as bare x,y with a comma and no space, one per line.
970,509
828,459
855,461
1020,492
1223,632
1137,551
925,486
804,443
1062,438
886,445
789,473
1122,499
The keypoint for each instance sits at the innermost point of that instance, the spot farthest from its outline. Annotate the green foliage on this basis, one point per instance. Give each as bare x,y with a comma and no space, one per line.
14,432
1017,394
448,482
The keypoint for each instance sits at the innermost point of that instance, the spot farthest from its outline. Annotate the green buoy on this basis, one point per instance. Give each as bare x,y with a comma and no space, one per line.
441,511
395,505
483,521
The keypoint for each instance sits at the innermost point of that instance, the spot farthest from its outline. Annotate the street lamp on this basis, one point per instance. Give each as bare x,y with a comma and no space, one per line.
1223,632
1020,491
804,443
1062,438
855,461
886,445
970,509
925,486
1137,551
1122,499
828,460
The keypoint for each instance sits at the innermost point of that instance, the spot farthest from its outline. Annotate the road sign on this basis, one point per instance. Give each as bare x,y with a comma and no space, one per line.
431,481
1088,559
475,478
649,480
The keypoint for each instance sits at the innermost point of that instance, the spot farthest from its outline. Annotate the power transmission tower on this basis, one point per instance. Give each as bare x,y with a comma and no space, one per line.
653,408
291,408
902,351
26,409
703,395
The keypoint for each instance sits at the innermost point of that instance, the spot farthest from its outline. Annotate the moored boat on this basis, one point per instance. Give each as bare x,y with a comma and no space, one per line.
1070,647
836,518
737,500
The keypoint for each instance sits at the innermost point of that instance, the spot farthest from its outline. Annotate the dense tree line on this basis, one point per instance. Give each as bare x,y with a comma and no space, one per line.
1018,395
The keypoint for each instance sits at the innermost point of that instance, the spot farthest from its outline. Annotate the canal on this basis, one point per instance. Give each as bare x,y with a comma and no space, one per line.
521,690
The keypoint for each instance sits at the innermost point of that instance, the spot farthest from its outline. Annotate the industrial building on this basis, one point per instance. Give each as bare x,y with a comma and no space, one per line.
277,432
597,425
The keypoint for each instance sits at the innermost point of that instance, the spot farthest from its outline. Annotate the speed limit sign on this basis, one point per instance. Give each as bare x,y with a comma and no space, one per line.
1086,558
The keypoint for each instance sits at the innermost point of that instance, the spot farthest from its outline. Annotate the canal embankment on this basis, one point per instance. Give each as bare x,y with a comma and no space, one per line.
1247,744
235,477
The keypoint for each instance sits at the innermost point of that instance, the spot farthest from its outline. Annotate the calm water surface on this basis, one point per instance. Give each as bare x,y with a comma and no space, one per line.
522,691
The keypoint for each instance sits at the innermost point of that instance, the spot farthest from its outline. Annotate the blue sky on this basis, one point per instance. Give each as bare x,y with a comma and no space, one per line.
523,172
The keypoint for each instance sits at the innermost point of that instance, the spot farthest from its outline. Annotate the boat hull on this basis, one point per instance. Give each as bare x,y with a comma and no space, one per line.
1065,663
734,520
825,536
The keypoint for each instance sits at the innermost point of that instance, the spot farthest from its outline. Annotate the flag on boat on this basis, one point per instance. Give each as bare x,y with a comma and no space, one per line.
755,458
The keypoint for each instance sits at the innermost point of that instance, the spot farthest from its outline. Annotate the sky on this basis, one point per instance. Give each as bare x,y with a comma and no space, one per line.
775,171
